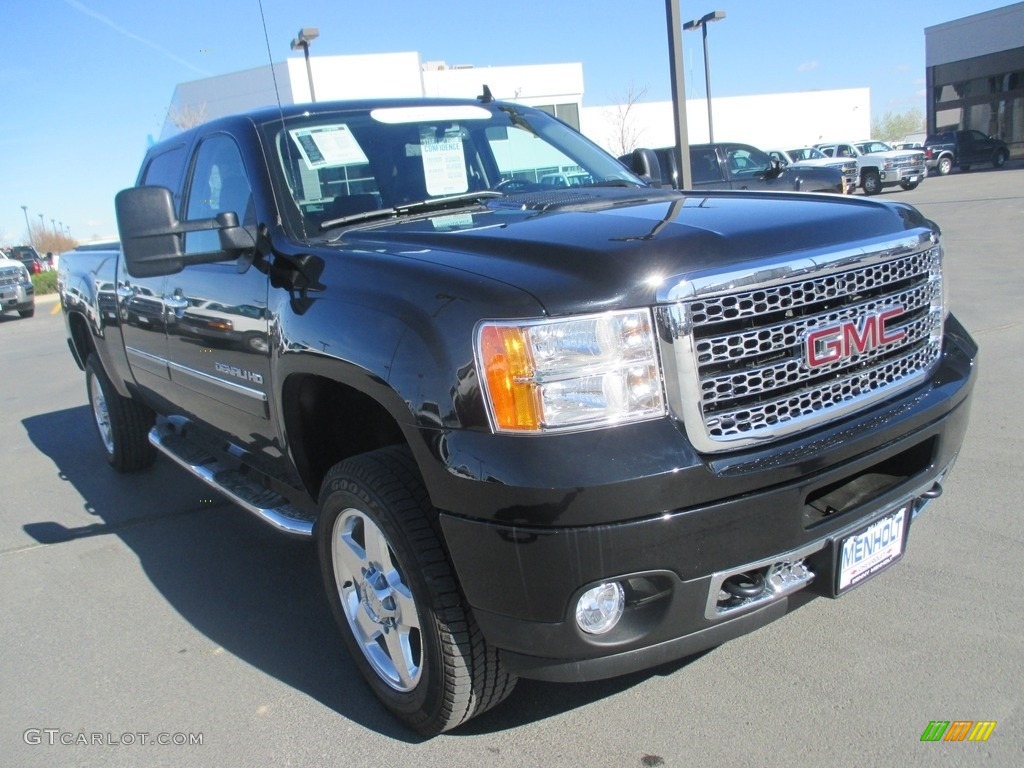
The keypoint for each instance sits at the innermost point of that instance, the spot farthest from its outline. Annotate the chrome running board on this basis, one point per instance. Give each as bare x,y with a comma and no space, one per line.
267,505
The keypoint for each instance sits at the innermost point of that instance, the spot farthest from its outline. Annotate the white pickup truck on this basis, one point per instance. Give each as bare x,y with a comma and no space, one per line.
879,165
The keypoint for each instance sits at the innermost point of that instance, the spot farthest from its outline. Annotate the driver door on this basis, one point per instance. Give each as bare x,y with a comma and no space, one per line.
218,340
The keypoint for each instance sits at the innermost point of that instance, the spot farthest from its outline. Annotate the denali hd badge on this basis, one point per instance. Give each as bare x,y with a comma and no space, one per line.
825,346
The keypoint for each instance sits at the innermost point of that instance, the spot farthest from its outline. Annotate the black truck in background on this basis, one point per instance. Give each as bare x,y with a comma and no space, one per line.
554,433
731,165
962,149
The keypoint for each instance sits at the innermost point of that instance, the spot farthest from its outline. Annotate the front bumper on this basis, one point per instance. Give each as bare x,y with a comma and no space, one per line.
20,296
913,174
791,501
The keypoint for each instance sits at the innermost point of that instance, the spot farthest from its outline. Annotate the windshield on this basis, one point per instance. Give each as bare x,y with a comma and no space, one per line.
807,153
869,147
340,163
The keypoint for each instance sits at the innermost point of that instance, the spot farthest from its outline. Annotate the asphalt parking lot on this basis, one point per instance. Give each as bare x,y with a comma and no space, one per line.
140,609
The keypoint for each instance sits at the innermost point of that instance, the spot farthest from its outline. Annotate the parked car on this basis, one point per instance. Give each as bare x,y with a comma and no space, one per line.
879,165
810,157
730,165
30,257
564,180
16,289
961,149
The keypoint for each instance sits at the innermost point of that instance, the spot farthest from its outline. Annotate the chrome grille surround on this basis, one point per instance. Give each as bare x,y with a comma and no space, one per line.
11,276
734,345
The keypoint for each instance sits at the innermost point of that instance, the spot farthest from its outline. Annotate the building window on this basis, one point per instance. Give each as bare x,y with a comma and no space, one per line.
567,113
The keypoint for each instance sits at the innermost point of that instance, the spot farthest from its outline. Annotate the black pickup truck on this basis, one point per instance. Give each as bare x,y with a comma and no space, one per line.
562,434
961,149
730,165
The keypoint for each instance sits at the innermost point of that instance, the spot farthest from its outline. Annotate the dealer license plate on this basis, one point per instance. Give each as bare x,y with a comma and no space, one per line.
869,551
912,179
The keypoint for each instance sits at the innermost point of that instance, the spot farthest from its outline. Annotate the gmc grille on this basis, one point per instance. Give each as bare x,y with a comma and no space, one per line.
737,364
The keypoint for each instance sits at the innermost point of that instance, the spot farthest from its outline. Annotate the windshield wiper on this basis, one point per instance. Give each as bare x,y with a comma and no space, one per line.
433,204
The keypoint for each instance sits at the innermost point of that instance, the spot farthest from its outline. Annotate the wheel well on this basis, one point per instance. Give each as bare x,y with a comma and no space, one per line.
327,422
79,331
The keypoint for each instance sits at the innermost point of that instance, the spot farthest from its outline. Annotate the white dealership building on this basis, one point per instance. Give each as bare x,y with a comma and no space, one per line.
788,119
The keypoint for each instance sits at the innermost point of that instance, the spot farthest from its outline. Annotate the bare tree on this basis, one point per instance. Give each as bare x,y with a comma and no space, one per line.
188,116
49,241
625,135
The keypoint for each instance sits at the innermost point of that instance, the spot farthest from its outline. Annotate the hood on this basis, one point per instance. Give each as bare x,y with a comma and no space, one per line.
605,249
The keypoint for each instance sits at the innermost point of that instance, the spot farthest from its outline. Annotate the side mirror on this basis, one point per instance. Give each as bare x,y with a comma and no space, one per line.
644,163
152,238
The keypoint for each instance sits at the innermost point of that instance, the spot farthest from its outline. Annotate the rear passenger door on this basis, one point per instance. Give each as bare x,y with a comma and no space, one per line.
140,305
706,169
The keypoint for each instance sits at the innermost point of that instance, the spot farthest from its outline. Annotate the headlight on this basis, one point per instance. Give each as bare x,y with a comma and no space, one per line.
586,371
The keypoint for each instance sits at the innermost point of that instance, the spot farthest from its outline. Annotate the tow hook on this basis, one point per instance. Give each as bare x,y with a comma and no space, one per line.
932,493
743,586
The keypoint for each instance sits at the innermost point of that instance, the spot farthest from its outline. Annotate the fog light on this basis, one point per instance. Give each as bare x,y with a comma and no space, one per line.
600,608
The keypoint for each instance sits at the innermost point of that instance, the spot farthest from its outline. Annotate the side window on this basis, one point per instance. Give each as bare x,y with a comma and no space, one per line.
218,185
164,170
746,162
704,165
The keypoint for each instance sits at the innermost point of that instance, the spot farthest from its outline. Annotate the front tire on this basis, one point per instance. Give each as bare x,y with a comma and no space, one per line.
871,183
123,424
26,313
395,597
999,159
909,185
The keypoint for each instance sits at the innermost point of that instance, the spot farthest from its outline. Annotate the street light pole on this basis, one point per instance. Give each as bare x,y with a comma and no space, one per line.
306,36
703,24
675,60
28,226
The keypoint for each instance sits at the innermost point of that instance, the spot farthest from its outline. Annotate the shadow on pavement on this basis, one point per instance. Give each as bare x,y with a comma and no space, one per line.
252,591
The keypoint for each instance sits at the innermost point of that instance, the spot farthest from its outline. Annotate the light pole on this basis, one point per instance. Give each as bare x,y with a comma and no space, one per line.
703,24
306,36
28,226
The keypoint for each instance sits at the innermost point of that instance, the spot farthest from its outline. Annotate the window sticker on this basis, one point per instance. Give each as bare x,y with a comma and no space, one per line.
327,146
444,164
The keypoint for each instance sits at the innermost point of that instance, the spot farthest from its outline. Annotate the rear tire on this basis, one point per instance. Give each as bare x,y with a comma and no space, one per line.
395,597
945,166
123,424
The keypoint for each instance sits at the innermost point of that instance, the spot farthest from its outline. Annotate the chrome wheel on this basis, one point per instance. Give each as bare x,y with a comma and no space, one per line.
376,600
101,414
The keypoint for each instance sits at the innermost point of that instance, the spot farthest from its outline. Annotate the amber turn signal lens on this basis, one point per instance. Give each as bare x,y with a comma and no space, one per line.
509,374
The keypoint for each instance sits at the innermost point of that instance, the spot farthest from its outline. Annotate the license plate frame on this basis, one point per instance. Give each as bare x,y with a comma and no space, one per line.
863,554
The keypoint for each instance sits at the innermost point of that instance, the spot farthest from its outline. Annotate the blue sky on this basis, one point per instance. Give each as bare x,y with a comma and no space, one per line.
85,82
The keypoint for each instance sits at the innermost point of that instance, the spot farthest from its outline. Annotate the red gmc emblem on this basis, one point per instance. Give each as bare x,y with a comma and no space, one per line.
843,340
